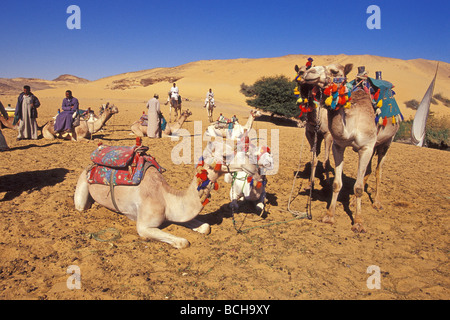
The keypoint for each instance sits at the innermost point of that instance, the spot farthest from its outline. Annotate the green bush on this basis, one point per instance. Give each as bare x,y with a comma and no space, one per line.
272,94
437,131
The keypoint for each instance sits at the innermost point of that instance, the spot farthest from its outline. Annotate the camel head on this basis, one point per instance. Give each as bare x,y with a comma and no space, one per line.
316,78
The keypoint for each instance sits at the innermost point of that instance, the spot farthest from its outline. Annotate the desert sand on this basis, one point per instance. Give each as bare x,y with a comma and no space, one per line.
278,257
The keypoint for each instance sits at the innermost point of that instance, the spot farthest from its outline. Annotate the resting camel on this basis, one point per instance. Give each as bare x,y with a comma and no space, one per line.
248,187
213,130
140,129
85,129
7,123
316,119
153,201
352,127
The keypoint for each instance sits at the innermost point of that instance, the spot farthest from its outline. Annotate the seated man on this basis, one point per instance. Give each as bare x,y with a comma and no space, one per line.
63,122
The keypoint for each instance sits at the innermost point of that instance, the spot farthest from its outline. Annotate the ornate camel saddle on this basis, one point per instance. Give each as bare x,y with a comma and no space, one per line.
120,165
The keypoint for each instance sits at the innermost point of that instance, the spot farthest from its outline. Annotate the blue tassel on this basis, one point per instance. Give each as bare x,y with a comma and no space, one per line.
376,119
203,185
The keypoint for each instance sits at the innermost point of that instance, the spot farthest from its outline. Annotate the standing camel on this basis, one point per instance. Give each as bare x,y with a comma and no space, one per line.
352,126
210,108
175,106
86,128
139,127
316,128
153,201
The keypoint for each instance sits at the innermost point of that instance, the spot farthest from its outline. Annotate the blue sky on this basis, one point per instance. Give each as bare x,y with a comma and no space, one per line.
123,36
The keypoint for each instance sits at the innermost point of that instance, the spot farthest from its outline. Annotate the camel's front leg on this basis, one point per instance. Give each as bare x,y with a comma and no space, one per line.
150,218
365,156
314,160
338,154
381,150
328,142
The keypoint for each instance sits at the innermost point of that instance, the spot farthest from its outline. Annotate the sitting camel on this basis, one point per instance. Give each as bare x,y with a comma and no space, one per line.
248,187
316,128
86,128
214,130
7,123
153,201
352,125
139,127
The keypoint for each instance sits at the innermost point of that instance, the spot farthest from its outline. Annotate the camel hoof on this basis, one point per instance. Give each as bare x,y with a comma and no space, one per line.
377,205
182,244
358,228
203,229
328,219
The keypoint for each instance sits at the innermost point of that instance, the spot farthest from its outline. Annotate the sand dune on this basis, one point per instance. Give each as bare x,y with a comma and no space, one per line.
278,257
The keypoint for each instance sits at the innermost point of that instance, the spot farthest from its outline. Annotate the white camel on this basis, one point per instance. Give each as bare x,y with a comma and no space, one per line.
153,201
248,187
210,108
353,127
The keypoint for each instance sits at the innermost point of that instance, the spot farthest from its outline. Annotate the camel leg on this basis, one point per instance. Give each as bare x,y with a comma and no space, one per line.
314,153
150,217
198,226
365,155
338,154
328,142
381,151
82,197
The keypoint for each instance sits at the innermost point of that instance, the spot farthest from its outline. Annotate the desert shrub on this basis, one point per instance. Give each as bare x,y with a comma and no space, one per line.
412,104
272,94
441,98
437,131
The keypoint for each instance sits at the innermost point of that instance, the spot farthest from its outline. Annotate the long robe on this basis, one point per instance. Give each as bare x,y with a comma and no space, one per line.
27,126
65,118
154,122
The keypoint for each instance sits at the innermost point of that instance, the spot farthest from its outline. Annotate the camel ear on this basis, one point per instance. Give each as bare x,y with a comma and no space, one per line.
348,67
296,68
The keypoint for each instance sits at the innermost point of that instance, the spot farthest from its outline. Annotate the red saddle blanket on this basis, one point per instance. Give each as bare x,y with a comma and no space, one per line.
120,165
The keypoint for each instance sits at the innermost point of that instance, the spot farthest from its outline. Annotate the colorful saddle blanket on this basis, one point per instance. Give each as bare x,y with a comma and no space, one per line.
120,165
383,99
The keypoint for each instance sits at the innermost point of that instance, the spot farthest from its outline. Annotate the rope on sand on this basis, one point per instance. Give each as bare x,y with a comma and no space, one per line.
97,235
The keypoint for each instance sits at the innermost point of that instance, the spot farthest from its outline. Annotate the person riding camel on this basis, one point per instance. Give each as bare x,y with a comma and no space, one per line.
209,97
64,120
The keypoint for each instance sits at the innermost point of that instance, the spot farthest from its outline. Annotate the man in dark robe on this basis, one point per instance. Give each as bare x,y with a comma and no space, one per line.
64,119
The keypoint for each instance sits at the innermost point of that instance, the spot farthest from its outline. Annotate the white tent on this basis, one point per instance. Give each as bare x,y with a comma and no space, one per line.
420,119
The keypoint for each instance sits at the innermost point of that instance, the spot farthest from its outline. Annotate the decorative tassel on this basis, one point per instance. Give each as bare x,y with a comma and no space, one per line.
258,185
216,186
328,101
217,167
205,202
249,179
376,119
393,120
384,121
379,103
